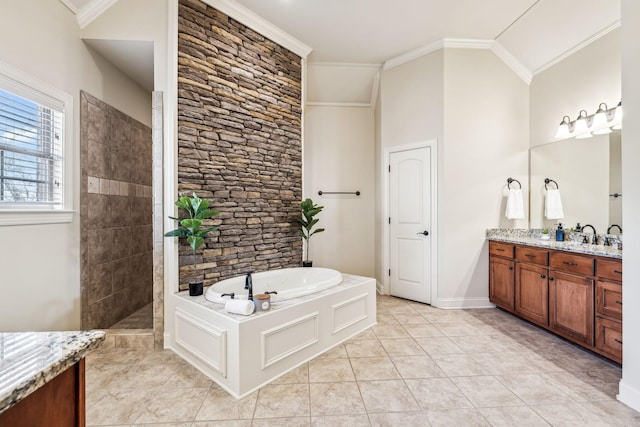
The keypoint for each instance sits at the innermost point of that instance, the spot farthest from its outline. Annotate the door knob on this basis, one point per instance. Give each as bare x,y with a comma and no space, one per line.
425,233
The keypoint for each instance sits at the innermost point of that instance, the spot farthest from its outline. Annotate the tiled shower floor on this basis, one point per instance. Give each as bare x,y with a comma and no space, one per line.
420,366
141,319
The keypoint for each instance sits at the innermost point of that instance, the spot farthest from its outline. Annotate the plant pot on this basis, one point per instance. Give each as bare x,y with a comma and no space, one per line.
307,263
195,289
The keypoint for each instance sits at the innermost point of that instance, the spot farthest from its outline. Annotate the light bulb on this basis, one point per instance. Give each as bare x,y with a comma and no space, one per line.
564,128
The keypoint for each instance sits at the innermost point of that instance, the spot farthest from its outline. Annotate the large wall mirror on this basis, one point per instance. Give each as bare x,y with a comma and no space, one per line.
588,174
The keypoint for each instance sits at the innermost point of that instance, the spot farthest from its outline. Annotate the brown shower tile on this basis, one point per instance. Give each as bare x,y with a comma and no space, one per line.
120,211
121,166
98,211
99,160
97,123
141,210
100,313
100,244
99,278
123,271
123,304
122,240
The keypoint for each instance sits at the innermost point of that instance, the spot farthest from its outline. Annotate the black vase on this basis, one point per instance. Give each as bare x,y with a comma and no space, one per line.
307,263
195,289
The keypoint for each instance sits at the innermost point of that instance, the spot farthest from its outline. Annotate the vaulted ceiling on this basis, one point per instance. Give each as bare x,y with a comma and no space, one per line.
530,34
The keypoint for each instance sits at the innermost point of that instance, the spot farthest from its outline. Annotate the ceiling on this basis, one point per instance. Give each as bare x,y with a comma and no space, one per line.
531,34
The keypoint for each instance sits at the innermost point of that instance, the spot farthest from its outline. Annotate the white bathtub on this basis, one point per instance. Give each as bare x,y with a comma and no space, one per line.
287,282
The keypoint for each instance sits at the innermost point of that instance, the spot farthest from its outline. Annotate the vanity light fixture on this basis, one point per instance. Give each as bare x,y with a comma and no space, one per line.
585,125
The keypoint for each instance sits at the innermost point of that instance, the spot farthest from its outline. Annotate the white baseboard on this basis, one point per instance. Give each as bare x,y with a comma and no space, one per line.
453,303
379,288
629,395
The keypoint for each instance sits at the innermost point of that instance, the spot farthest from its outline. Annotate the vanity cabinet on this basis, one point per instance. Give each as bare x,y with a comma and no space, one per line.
501,275
576,296
609,308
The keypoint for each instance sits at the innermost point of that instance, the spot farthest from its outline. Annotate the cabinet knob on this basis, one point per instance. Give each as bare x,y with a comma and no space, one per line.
619,302
617,340
510,268
569,263
542,276
551,278
617,271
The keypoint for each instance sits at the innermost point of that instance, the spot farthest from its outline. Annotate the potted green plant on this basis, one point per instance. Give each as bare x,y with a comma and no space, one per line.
191,229
545,234
306,222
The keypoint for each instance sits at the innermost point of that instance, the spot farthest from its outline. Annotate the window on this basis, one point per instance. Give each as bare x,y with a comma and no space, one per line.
35,125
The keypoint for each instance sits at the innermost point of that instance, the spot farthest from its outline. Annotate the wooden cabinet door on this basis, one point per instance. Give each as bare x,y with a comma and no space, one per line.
571,312
609,338
501,282
532,293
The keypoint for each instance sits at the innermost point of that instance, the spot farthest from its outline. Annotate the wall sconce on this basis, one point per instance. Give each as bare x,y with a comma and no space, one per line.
585,125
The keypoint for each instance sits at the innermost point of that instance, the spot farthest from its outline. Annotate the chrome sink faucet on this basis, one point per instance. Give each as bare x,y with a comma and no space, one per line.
594,240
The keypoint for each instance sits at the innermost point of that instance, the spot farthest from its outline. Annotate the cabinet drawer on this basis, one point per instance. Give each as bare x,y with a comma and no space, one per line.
532,255
609,299
571,263
609,269
501,249
609,338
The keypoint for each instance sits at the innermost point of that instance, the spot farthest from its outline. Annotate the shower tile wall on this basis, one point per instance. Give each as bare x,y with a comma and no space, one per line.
239,142
115,214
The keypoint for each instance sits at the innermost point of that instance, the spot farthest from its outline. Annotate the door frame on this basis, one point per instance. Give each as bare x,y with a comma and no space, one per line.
433,232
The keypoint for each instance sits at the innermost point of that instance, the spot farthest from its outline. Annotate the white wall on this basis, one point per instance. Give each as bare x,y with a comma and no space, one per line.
581,169
581,81
630,384
486,128
478,110
40,265
339,156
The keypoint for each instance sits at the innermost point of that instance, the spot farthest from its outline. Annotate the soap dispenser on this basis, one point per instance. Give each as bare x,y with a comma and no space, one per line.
559,233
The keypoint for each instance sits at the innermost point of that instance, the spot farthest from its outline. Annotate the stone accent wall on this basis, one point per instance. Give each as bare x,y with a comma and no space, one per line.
239,143
115,214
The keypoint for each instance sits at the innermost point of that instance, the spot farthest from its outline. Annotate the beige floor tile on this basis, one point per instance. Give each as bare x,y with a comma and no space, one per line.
366,335
365,348
387,396
457,417
479,344
188,424
446,316
534,389
122,356
437,394
409,318
283,399
463,329
102,377
299,375
615,413
505,363
337,352
374,368
335,399
171,405
402,346
438,345
225,423
282,422
117,408
485,392
569,414
422,330
185,375
330,370
220,405
145,376
386,319
396,419
577,388
359,420
416,366
459,365
390,331
521,416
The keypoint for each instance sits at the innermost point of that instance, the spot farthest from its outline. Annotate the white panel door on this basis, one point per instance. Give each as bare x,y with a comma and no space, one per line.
409,219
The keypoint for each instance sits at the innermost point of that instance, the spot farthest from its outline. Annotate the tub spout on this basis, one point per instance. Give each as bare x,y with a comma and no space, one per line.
248,284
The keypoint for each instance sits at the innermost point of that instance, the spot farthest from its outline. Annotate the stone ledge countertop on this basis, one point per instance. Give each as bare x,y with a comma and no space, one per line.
525,238
28,360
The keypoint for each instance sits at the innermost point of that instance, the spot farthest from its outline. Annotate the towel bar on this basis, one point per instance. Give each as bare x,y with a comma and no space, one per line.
547,181
510,180
357,193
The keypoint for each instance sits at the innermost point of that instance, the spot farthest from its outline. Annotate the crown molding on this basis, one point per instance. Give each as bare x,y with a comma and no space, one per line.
339,104
260,25
579,46
492,45
92,11
343,65
70,6
467,43
516,66
412,54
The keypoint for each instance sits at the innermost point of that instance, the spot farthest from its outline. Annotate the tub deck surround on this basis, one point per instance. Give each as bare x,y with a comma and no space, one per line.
28,360
243,353
532,238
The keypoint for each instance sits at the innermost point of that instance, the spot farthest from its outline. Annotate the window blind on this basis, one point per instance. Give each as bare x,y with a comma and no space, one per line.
31,154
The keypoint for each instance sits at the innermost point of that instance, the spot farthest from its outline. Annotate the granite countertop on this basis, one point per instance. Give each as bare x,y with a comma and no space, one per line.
28,360
525,238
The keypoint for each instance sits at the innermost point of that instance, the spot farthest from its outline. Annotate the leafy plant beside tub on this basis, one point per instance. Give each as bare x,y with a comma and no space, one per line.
306,222
191,229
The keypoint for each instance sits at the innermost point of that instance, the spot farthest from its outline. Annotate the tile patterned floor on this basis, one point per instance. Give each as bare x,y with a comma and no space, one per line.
420,366
141,319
